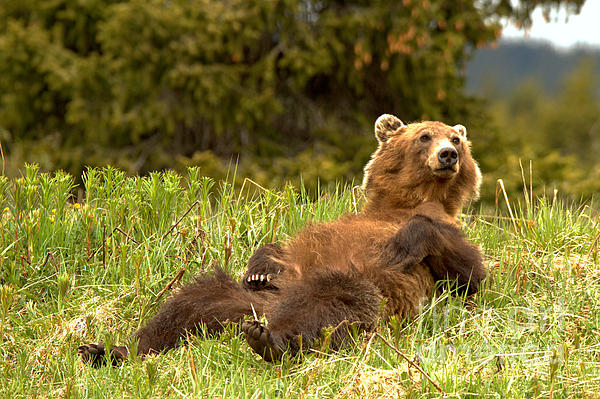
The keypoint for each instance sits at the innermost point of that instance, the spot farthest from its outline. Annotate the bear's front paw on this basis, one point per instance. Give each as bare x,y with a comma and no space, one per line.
418,238
261,341
258,281
399,257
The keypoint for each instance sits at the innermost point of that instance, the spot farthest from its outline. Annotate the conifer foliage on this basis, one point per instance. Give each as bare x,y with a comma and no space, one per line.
286,85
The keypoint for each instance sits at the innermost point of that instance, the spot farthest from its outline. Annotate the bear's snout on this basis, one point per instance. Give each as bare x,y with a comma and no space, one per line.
444,161
447,157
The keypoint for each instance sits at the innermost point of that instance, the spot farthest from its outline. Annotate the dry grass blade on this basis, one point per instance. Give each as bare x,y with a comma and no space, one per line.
2,153
525,191
500,188
594,242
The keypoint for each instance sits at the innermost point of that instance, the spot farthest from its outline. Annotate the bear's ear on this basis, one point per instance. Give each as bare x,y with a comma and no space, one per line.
386,124
460,129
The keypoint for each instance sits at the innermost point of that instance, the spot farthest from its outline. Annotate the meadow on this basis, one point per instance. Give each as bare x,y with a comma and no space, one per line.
90,263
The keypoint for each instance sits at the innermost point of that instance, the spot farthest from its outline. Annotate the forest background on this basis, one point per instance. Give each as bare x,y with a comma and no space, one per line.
288,90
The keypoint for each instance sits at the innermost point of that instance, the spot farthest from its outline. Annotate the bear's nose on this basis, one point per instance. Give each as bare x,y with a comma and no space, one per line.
447,157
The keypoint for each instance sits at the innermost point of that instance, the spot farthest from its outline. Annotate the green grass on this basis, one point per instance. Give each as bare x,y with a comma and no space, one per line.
533,331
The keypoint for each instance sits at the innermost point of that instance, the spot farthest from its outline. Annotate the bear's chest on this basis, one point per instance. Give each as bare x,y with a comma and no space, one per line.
349,245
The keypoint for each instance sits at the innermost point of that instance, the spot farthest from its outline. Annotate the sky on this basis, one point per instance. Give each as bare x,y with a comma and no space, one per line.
578,29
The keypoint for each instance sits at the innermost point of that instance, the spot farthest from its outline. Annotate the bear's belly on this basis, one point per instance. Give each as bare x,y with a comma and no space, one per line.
354,246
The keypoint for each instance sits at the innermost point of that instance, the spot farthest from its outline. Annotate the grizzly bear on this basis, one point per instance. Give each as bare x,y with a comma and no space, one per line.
351,272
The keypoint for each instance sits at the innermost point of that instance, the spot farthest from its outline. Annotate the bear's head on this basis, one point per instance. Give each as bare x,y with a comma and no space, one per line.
419,162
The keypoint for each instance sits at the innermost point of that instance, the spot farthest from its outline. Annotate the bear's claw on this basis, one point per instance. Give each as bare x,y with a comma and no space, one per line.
258,281
261,341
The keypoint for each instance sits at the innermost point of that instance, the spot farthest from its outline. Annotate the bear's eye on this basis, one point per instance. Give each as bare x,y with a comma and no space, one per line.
425,138
456,140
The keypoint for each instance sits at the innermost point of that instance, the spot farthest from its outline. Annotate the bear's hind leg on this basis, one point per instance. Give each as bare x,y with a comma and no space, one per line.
207,303
327,299
94,354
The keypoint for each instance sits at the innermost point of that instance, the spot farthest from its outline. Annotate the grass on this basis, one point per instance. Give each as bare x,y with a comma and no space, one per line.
77,272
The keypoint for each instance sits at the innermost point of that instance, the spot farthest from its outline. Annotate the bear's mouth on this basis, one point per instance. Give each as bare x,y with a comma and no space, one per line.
446,173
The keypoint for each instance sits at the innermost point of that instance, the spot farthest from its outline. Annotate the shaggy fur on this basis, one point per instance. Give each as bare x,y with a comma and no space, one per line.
338,274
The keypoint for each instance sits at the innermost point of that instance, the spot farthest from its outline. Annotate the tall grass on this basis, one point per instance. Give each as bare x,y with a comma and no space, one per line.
76,272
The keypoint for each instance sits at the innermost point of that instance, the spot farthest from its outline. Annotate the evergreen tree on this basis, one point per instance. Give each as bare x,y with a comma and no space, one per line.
559,135
290,85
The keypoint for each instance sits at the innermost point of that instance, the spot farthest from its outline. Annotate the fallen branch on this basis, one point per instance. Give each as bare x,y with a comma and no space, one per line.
168,286
125,234
107,237
594,242
49,255
415,365
181,218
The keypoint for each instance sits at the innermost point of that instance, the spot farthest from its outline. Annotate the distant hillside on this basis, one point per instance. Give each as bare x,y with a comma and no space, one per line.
499,70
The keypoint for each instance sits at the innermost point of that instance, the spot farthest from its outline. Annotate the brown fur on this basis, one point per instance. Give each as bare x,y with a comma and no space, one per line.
337,274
